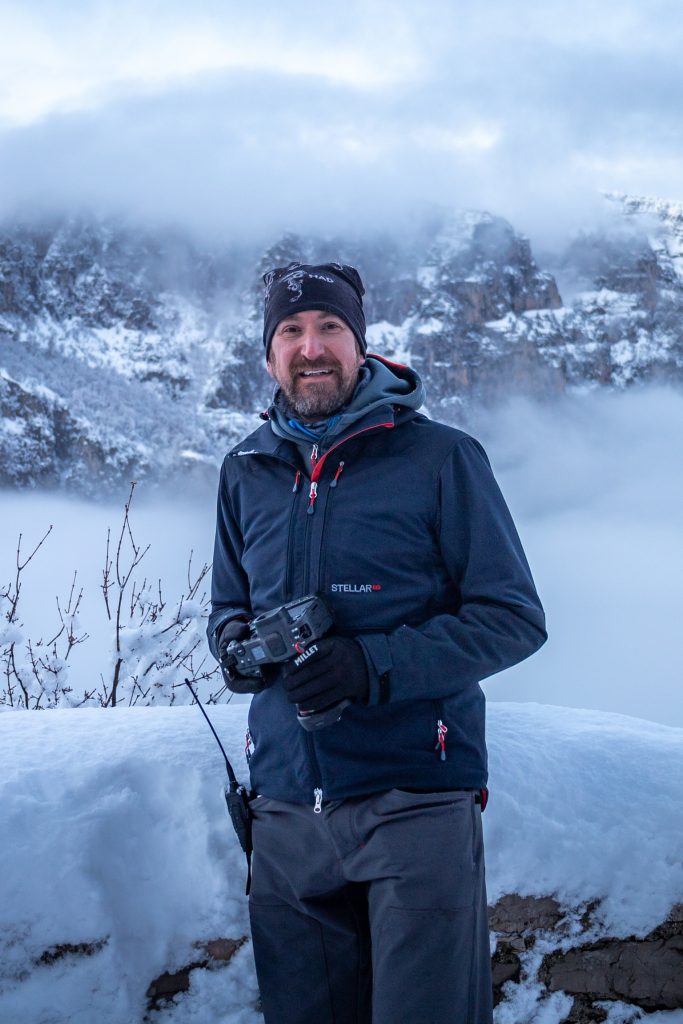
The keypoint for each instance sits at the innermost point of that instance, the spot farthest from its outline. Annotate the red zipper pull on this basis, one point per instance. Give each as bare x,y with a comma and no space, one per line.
441,731
337,474
313,494
297,478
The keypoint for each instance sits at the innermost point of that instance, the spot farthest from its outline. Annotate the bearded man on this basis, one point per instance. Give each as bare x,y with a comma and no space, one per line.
368,900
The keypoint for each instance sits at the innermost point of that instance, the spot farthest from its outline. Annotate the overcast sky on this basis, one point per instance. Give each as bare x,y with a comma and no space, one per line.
248,116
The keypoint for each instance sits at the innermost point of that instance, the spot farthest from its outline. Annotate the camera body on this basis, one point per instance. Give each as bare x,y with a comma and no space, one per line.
284,634
279,635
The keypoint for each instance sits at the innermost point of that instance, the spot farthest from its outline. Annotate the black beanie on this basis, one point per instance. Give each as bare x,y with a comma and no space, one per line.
332,287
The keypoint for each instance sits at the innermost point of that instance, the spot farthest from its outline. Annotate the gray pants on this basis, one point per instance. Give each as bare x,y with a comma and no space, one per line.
371,912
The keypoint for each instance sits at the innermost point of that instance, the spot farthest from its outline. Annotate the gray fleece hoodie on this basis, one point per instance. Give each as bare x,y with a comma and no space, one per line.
379,383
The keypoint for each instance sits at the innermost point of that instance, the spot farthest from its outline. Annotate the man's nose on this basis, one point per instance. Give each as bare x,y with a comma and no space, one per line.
312,344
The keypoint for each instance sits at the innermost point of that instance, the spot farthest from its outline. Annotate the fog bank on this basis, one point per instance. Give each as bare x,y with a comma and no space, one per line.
595,483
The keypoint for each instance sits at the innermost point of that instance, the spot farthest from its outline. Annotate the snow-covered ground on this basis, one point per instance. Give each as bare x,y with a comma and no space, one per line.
113,830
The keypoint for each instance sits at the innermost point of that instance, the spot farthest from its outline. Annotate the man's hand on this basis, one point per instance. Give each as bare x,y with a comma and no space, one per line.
336,670
236,630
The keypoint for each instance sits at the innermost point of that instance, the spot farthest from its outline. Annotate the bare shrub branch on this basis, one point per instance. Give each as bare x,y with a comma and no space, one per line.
155,645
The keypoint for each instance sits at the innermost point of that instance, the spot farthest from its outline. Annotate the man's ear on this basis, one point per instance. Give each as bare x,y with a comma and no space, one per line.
269,368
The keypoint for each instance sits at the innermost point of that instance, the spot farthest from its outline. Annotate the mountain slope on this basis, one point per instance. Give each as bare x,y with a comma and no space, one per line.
149,345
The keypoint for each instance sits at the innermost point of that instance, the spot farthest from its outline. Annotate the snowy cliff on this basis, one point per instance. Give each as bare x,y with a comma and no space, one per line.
129,353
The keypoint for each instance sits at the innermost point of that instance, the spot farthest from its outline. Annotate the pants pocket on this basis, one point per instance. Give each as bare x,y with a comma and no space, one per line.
426,849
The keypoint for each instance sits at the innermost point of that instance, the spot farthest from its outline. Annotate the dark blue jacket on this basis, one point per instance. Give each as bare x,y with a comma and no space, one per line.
409,540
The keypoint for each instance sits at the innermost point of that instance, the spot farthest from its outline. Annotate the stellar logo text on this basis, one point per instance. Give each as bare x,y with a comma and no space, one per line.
355,588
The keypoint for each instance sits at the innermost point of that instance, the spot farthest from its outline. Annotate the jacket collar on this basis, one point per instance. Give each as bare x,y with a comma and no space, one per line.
264,442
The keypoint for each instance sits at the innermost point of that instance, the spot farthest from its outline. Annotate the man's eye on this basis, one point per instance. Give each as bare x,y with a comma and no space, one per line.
331,325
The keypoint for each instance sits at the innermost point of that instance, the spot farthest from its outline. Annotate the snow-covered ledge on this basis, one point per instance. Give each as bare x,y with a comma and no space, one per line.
122,881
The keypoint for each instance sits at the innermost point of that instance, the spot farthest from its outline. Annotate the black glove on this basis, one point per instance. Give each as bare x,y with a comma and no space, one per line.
335,669
236,630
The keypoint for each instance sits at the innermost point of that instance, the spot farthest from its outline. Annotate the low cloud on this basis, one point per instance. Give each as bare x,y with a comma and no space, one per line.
327,117
595,484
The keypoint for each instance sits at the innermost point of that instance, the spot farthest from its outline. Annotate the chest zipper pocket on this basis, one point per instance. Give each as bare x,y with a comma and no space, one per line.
290,530
321,557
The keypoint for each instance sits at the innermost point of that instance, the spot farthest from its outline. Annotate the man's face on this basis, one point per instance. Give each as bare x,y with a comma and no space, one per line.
314,357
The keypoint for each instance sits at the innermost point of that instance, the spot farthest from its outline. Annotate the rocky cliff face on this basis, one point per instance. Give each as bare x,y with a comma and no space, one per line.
125,352
45,445
548,949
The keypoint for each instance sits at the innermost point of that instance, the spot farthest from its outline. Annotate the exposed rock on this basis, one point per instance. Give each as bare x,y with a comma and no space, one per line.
516,920
65,949
645,972
584,1012
221,949
505,966
215,953
675,915
517,915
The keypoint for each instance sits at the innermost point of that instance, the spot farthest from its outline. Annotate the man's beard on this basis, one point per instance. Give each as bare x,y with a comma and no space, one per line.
313,400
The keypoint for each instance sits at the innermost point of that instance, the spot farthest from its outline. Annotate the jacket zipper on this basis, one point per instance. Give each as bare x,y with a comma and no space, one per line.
319,463
318,783
316,469
290,532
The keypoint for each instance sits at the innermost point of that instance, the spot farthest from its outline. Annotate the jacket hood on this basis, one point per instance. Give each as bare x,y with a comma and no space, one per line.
380,383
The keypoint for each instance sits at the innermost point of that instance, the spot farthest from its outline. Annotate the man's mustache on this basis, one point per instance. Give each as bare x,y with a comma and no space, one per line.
315,364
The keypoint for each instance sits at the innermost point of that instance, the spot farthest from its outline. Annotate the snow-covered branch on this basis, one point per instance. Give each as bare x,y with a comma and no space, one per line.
155,644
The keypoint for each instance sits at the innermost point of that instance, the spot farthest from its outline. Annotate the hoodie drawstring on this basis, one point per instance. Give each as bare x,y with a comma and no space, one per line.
441,731
337,474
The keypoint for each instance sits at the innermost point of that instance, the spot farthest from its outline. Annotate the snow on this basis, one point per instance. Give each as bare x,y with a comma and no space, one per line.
623,1013
667,210
38,389
187,453
113,830
14,427
390,340
431,326
505,323
584,803
427,277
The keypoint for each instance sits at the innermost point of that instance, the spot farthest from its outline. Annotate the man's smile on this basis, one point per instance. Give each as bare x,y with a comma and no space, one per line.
315,358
